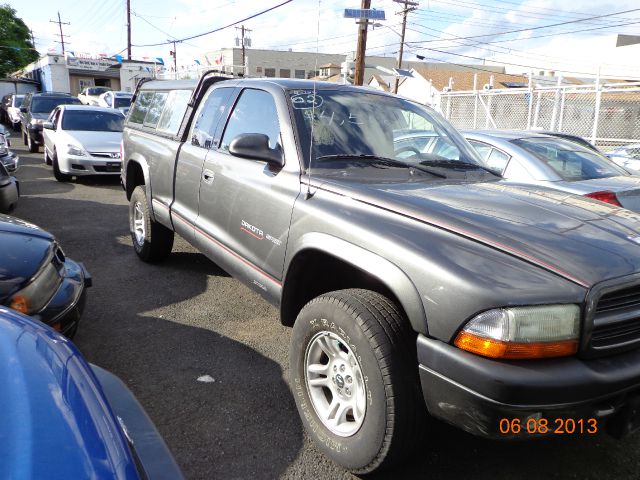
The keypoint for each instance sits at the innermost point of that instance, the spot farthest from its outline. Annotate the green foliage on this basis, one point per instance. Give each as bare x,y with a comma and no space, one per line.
16,49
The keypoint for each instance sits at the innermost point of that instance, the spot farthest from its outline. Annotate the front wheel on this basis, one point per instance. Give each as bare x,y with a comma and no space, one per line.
355,379
33,146
59,176
151,240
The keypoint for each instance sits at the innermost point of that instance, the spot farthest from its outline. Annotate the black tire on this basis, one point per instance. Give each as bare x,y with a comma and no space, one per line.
24,138
158,239
385,345
47,158
61,177
33,146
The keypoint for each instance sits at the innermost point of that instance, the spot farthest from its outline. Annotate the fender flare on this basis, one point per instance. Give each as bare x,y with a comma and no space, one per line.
142,163
388,273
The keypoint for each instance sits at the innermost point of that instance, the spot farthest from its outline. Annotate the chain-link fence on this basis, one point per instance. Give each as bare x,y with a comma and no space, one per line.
608,116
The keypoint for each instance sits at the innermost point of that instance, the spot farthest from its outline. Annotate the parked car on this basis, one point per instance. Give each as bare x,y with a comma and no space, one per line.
10,109
34,111
409,278
65,418
81,140
118,100
539,159
8,158
9,193
90,95
37,279
569,136
628,157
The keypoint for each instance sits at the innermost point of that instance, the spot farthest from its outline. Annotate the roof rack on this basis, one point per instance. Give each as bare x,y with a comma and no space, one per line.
208,78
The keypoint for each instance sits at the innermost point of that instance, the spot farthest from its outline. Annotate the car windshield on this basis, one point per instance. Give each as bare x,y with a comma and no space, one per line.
18,100
97,90
122,102
569,160
92,121
47,104
347,125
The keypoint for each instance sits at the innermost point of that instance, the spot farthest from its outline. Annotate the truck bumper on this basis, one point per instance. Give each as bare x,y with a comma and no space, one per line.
492,398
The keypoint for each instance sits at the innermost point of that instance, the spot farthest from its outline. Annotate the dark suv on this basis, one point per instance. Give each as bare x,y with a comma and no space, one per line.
35,110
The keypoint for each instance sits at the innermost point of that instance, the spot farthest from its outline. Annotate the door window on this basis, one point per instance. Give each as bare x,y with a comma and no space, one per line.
255,112
209,114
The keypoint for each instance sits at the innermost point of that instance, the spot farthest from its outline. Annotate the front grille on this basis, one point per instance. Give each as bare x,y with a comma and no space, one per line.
105,155
617,319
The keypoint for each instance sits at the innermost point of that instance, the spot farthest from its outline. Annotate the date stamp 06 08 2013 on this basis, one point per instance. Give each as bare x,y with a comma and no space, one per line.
546,426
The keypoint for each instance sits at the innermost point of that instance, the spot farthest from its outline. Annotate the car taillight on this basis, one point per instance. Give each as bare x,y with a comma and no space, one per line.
605,196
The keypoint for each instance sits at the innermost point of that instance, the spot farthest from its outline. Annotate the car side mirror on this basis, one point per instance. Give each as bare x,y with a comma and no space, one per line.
48,125
23,109
256,146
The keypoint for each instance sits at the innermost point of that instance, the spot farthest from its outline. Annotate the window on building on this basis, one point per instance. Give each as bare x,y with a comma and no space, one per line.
313,73
285,73
258,69
269,72
299,73
255,112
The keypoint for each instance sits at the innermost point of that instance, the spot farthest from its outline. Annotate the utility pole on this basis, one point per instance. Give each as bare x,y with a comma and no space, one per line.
408,7
129,30
60,23
242,42
175,60
358,77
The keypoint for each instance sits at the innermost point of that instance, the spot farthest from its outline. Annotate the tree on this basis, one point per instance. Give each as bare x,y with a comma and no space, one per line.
16,49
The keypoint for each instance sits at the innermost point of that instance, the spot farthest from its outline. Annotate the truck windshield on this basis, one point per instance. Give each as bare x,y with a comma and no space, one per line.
92,121
348,124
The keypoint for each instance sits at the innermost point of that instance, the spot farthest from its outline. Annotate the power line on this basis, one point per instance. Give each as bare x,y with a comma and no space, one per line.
218,29
550,25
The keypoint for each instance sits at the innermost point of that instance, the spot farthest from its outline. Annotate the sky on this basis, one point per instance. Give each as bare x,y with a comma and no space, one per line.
439,30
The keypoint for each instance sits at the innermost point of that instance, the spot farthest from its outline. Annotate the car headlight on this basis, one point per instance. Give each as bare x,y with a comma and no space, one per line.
523,332
75,150
35,296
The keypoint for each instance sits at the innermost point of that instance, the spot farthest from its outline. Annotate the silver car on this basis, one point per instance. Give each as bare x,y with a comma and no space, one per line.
539,159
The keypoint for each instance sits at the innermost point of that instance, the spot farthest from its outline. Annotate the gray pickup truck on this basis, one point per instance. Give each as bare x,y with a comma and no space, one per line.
415,280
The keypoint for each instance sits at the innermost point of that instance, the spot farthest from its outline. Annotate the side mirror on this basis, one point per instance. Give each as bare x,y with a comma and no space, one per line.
23,109
48,125
256,146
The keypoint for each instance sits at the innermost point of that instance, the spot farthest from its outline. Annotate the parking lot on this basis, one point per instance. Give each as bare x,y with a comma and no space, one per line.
161,327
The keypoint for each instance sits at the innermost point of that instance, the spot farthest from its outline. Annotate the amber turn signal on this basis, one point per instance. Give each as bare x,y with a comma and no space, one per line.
491,348
19,303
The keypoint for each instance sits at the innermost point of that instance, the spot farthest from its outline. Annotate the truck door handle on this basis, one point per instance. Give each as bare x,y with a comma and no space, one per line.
207,177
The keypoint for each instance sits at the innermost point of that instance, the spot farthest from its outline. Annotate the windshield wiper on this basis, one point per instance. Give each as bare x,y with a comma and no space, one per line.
392,162
458,163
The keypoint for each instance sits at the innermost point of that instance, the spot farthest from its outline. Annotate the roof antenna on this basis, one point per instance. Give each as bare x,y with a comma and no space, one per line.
313,108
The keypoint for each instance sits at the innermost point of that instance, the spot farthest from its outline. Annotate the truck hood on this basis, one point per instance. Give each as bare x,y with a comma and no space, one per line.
582,240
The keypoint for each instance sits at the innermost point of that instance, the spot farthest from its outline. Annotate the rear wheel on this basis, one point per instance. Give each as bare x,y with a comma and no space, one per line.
355,379
151,240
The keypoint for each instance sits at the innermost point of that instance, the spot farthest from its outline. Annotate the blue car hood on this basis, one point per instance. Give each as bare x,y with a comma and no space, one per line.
56,421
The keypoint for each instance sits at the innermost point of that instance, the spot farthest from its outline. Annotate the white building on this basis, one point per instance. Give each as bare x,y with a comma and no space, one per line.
71,74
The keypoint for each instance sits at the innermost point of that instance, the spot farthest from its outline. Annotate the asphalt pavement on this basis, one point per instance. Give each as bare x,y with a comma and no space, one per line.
161,327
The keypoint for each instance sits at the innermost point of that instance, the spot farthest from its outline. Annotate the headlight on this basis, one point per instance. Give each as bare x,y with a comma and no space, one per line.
75,150
523,332
37,294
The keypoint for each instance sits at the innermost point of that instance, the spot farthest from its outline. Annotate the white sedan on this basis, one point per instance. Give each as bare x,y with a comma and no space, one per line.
81,140
118,100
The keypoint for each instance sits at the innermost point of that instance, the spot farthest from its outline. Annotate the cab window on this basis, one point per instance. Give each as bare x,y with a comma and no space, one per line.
254,112
211,111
